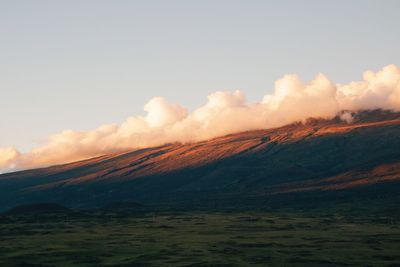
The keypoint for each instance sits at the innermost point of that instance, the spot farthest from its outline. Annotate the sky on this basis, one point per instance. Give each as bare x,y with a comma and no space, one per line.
81,64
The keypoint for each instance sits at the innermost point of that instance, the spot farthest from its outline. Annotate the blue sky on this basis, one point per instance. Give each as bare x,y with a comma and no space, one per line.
79,64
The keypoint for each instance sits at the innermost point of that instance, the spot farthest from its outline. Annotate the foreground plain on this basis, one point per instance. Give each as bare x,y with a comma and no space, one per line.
200,239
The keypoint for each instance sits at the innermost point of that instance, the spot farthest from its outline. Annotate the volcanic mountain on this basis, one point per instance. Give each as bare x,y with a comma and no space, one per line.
299,165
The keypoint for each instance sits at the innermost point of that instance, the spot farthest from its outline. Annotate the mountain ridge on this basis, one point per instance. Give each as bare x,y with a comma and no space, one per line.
315,156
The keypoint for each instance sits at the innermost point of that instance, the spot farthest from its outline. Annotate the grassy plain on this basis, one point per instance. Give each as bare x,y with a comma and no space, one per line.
199,239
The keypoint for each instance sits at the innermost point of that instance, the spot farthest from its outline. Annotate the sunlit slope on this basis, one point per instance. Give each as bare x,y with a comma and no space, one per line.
317,156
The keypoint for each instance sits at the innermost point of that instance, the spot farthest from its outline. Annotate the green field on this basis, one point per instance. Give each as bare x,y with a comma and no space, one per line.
200,239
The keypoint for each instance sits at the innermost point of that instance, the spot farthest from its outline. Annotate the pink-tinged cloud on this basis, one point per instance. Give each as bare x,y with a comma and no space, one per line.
223,113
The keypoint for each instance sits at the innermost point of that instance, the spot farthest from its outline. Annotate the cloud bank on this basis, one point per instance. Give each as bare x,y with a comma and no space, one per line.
223,113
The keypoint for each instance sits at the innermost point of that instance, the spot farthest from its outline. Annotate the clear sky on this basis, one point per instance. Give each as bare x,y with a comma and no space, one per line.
77,64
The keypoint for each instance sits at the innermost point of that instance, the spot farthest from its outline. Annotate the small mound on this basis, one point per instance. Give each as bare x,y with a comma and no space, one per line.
39,208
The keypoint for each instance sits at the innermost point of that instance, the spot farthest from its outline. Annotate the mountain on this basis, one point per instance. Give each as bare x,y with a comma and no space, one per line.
318,162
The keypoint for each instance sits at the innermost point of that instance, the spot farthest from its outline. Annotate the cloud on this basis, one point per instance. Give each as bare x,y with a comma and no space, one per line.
8,158
346,116
161,113
223,113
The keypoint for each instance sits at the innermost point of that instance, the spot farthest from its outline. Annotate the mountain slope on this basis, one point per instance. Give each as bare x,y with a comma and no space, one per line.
319,157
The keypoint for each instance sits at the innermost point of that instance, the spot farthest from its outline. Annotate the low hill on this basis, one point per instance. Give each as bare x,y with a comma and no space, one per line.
38,208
